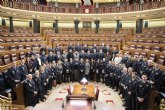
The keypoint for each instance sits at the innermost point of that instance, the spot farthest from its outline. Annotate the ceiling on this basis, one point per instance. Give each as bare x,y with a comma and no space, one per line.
79,1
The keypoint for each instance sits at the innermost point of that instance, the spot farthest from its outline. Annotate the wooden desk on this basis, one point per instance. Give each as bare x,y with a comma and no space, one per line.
90,90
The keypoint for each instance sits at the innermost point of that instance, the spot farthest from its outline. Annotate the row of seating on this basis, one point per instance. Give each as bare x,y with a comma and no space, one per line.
4,34
157,35
88,31
156,57
7,47
148,40
17,29
148,47
20,39
9,58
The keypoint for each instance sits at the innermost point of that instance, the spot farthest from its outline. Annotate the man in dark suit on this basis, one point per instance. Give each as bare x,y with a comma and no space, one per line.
37,81
81,68
30,91
66,68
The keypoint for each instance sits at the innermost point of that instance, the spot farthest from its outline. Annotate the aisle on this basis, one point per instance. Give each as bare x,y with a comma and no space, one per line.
106,95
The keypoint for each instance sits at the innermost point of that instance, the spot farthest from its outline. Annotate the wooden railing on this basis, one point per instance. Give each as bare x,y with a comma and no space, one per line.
5,102
82,9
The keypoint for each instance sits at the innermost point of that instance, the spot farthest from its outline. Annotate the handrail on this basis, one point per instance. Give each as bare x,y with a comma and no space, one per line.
84,9
6,102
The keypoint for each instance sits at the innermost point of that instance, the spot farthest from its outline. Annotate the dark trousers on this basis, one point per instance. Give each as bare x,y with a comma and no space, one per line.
98,77
30,101
142,105
131,102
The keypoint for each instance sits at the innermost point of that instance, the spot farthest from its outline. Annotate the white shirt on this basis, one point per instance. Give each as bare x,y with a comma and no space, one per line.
117,60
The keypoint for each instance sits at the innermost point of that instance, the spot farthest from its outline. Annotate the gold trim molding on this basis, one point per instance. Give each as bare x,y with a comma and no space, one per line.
46,16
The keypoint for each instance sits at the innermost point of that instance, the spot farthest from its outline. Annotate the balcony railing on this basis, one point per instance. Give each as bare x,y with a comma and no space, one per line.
84,9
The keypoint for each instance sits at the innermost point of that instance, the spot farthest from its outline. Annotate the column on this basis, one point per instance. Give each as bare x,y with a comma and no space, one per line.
117,26
30,24
11,24
139,26
3,22
76,22
55,26
146,24
97,23
77,7
36,26
97,8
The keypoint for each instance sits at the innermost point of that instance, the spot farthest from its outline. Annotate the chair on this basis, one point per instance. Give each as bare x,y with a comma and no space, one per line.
139,47
22,40
132,47
153,57
136,54
135,41
15,41
161,61
149,41
144,55
147,48
13,47
27,47
163,49
141,41
2,48
6,59
157,48
22,55
156,42
33,40
8,41
36,46
1,62
28,40
163,42
14,57
20,47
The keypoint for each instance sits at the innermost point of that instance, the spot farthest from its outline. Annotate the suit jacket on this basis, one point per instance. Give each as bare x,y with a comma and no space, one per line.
87,68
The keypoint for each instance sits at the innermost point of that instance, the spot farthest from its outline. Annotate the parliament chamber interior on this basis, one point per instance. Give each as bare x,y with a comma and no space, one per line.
82,54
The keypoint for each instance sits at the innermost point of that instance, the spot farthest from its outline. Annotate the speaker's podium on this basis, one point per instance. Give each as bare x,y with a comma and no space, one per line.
81,98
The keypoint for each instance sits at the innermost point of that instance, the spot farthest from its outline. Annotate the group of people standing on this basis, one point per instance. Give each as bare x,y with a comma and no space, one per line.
134,78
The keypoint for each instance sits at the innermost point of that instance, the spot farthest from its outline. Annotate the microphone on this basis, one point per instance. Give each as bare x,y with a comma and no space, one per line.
63,103
94,107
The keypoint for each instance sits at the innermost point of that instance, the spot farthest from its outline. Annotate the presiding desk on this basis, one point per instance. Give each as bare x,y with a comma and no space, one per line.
81,97
80,90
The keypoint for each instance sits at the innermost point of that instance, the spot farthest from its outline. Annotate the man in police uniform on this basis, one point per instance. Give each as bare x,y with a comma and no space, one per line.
30,91
131,92
78,48
14,75
142,93
23,70
155,76
50,57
